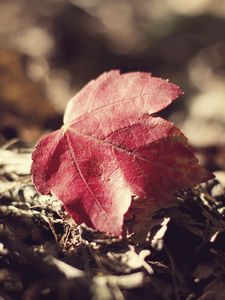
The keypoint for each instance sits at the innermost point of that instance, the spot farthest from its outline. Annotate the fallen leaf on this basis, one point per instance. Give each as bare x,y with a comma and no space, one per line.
111,147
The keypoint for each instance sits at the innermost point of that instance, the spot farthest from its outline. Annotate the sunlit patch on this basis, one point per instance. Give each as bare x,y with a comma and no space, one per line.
64,128
121,190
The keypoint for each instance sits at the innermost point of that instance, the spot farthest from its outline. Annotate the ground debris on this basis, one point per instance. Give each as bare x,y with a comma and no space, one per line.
45,255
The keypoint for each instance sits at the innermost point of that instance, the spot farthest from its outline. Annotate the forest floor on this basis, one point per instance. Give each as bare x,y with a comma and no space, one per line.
49,50
45,255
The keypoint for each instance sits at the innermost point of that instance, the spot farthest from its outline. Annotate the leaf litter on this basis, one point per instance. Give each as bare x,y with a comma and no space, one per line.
45,255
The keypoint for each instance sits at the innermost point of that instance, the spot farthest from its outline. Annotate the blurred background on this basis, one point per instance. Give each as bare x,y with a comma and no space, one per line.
49,49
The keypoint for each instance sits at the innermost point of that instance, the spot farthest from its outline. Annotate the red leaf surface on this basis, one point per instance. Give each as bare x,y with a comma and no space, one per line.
111,147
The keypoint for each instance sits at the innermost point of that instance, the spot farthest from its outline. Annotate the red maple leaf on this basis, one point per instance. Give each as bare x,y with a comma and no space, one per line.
111,147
